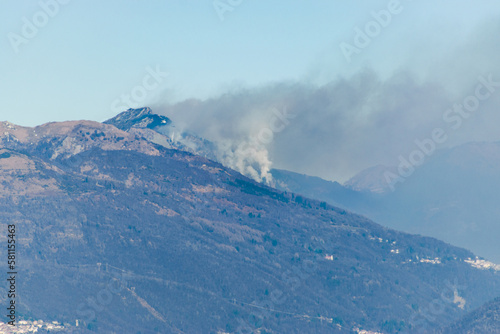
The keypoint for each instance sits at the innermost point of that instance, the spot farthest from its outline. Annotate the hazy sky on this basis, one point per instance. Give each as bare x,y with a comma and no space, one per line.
65,60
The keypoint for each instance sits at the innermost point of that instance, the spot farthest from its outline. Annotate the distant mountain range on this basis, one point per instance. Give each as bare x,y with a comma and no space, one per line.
120,231
453,196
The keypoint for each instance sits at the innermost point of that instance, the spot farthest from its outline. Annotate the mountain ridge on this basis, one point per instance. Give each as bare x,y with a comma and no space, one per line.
192,246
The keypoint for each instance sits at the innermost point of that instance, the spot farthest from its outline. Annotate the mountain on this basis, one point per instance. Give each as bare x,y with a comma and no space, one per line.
161,130
320,189
484,320
139,118
118,234
371,180
453,196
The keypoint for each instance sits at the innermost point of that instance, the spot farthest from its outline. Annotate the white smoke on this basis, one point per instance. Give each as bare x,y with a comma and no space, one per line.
249,157
241,127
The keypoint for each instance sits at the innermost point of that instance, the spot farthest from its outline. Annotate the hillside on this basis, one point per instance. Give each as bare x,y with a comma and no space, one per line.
453,197
484,320
125,235
322,190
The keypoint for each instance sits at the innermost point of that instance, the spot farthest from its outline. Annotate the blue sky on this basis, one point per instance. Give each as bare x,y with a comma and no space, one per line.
91,52
92,59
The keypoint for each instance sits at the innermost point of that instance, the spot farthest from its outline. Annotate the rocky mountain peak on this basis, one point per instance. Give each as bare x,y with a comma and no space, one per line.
138,118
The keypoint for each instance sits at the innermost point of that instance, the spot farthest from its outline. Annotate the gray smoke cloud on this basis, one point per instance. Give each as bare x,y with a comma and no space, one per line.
337,129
